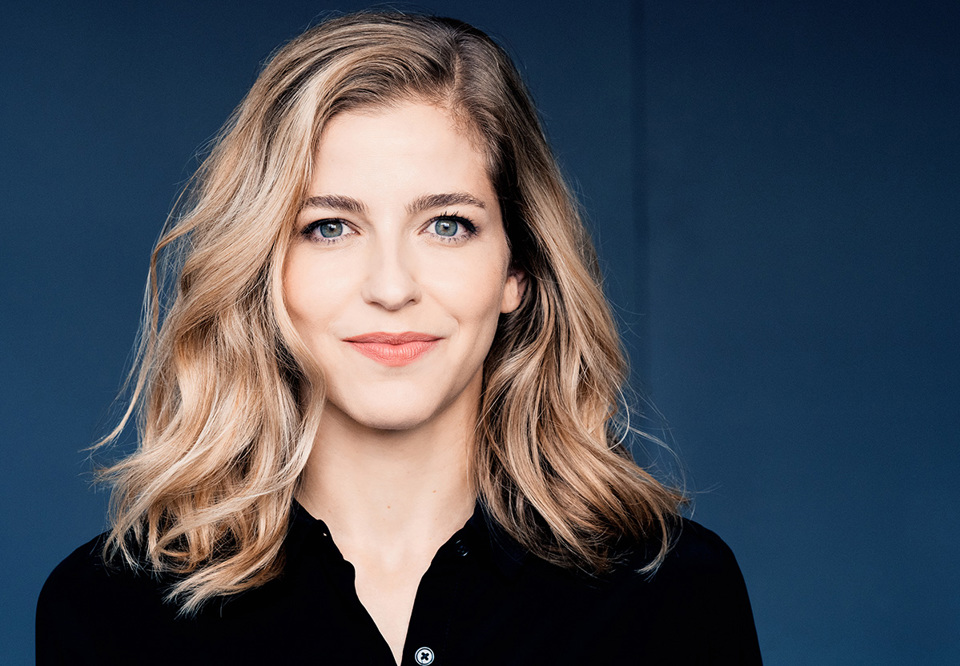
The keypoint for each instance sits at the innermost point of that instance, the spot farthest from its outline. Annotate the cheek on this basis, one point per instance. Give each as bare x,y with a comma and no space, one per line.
295,292
309,288
470,285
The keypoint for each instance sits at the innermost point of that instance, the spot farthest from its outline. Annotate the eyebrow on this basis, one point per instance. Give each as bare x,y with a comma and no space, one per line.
428,201
335,202
418,205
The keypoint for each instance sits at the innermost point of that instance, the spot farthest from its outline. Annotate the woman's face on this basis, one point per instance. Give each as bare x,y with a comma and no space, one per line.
399,269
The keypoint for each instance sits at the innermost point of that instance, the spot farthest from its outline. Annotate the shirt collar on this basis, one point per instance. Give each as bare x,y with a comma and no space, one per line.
483,534
507,555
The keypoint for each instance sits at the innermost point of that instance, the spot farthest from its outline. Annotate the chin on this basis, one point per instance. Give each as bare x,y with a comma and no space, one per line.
385,412
405,405
394,420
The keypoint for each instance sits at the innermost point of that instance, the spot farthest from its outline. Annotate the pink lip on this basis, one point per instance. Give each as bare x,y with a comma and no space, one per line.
393,349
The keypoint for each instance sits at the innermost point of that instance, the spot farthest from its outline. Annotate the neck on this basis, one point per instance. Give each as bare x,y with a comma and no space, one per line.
391,491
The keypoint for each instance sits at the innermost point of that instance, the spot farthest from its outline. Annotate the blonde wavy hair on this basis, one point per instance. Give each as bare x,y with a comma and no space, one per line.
226,400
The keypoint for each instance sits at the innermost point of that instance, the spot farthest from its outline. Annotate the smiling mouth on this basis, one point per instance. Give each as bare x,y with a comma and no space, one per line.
393,349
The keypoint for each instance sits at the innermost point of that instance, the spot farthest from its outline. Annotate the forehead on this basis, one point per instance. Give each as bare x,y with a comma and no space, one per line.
413,144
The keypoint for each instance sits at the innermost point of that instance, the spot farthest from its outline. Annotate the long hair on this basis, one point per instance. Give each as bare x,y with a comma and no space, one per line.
226,400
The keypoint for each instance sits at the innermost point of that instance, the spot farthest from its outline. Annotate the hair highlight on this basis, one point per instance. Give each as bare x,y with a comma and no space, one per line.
226,400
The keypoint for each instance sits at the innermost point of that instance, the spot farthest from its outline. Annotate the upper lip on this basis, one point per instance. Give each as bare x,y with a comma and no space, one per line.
392,338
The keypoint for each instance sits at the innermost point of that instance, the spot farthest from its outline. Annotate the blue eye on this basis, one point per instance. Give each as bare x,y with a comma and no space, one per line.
446,227
452,228
331,229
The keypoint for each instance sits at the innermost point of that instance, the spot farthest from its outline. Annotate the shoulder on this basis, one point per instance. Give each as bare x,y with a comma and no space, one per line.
85,598
700,601
81,567
693,609
72,578
85,573
697,557
700,554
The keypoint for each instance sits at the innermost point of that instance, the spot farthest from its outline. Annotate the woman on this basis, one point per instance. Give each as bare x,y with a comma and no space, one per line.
376,419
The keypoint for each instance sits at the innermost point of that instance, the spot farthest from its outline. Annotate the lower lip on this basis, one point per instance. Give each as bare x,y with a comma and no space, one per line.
395,355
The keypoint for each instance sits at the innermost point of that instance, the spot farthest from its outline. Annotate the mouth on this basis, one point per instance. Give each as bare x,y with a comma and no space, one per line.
393,349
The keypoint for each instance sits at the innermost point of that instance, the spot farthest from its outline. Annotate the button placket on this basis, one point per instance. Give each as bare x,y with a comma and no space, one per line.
437,600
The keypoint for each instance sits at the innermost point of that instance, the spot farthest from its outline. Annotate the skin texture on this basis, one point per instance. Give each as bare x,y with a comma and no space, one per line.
389,471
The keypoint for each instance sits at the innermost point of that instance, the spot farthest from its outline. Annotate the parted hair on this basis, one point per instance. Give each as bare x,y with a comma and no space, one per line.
225,395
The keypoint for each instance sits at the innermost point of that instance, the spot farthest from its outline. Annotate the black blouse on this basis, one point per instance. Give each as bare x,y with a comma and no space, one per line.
483,600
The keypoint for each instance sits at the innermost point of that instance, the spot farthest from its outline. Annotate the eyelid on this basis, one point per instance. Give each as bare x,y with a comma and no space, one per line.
467,223
310,227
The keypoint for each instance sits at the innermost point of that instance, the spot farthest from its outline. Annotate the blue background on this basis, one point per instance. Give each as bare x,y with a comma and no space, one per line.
774,188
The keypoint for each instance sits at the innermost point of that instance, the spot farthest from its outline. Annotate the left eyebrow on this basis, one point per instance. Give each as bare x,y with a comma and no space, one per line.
429,201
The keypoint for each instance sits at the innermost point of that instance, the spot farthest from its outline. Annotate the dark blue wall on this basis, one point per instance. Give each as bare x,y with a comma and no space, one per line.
773,187
803,199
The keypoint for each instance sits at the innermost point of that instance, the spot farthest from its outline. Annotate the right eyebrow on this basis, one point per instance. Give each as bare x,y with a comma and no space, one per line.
335,202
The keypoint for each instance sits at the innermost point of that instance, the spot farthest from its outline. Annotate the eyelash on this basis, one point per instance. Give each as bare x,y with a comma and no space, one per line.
469,229
308,231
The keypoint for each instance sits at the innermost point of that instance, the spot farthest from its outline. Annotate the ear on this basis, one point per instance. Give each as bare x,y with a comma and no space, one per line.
513,289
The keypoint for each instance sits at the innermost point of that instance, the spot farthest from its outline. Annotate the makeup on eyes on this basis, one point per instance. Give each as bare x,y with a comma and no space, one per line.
332,229
315,231
470,229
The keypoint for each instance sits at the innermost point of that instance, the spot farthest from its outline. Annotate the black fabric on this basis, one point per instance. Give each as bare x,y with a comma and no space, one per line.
482,601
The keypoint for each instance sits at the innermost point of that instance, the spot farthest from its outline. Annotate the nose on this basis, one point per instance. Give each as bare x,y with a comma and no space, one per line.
390,282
